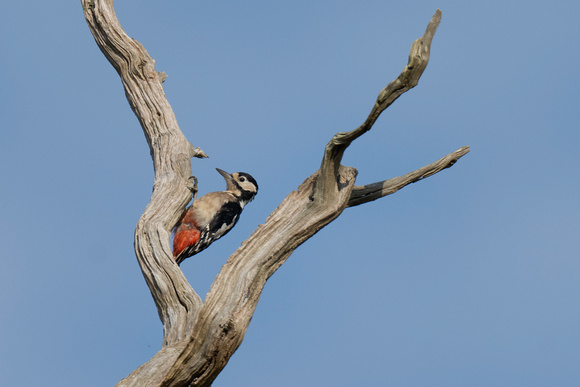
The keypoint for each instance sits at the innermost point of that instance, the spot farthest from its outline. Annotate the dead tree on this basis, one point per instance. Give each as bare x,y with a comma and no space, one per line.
201,336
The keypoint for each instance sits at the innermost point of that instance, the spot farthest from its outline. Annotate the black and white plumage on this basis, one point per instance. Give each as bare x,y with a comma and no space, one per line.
213,215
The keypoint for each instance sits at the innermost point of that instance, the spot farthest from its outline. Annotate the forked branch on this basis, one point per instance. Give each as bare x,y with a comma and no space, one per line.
200,337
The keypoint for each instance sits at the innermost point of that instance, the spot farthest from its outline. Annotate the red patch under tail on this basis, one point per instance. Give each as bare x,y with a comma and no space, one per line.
184,239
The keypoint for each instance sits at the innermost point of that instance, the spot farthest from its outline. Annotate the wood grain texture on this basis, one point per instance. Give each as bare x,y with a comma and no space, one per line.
374,191
200,337
171,152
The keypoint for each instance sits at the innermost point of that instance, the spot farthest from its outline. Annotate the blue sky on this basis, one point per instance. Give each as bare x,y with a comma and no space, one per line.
469,278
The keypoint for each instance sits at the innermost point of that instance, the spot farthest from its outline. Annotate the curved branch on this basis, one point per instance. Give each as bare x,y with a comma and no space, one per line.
369,192
171,152
409,78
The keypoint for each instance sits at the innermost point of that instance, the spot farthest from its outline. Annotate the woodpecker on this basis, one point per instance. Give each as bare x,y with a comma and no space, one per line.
213,215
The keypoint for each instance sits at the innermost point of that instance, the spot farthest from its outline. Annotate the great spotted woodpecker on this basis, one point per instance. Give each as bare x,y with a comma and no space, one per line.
213,215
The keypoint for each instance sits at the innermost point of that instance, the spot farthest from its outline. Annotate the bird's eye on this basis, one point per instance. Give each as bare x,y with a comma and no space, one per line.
242,179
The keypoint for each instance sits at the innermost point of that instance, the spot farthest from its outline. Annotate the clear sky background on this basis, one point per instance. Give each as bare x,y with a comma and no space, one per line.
469,278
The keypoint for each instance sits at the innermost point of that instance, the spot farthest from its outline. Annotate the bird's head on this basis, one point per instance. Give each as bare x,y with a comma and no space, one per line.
241,184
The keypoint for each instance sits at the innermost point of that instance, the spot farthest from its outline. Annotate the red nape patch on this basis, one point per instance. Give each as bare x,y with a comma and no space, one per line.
183,239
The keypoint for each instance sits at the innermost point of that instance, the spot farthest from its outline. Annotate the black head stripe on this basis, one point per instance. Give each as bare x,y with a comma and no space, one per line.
244,195
249,178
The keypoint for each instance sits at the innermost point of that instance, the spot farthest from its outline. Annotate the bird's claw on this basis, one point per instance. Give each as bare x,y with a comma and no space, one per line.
193,186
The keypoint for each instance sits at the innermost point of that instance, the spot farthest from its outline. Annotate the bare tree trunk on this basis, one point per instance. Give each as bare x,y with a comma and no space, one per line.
201,336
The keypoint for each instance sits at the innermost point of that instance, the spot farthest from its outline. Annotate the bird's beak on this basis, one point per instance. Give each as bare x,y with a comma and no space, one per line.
229,178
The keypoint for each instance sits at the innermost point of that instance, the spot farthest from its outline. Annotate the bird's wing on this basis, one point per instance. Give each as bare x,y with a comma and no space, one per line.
225,220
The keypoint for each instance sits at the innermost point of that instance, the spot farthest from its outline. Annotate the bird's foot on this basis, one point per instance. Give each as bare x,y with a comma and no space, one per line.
192,185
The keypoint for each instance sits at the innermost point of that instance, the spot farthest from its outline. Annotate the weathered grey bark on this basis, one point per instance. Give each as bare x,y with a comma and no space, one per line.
200,337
